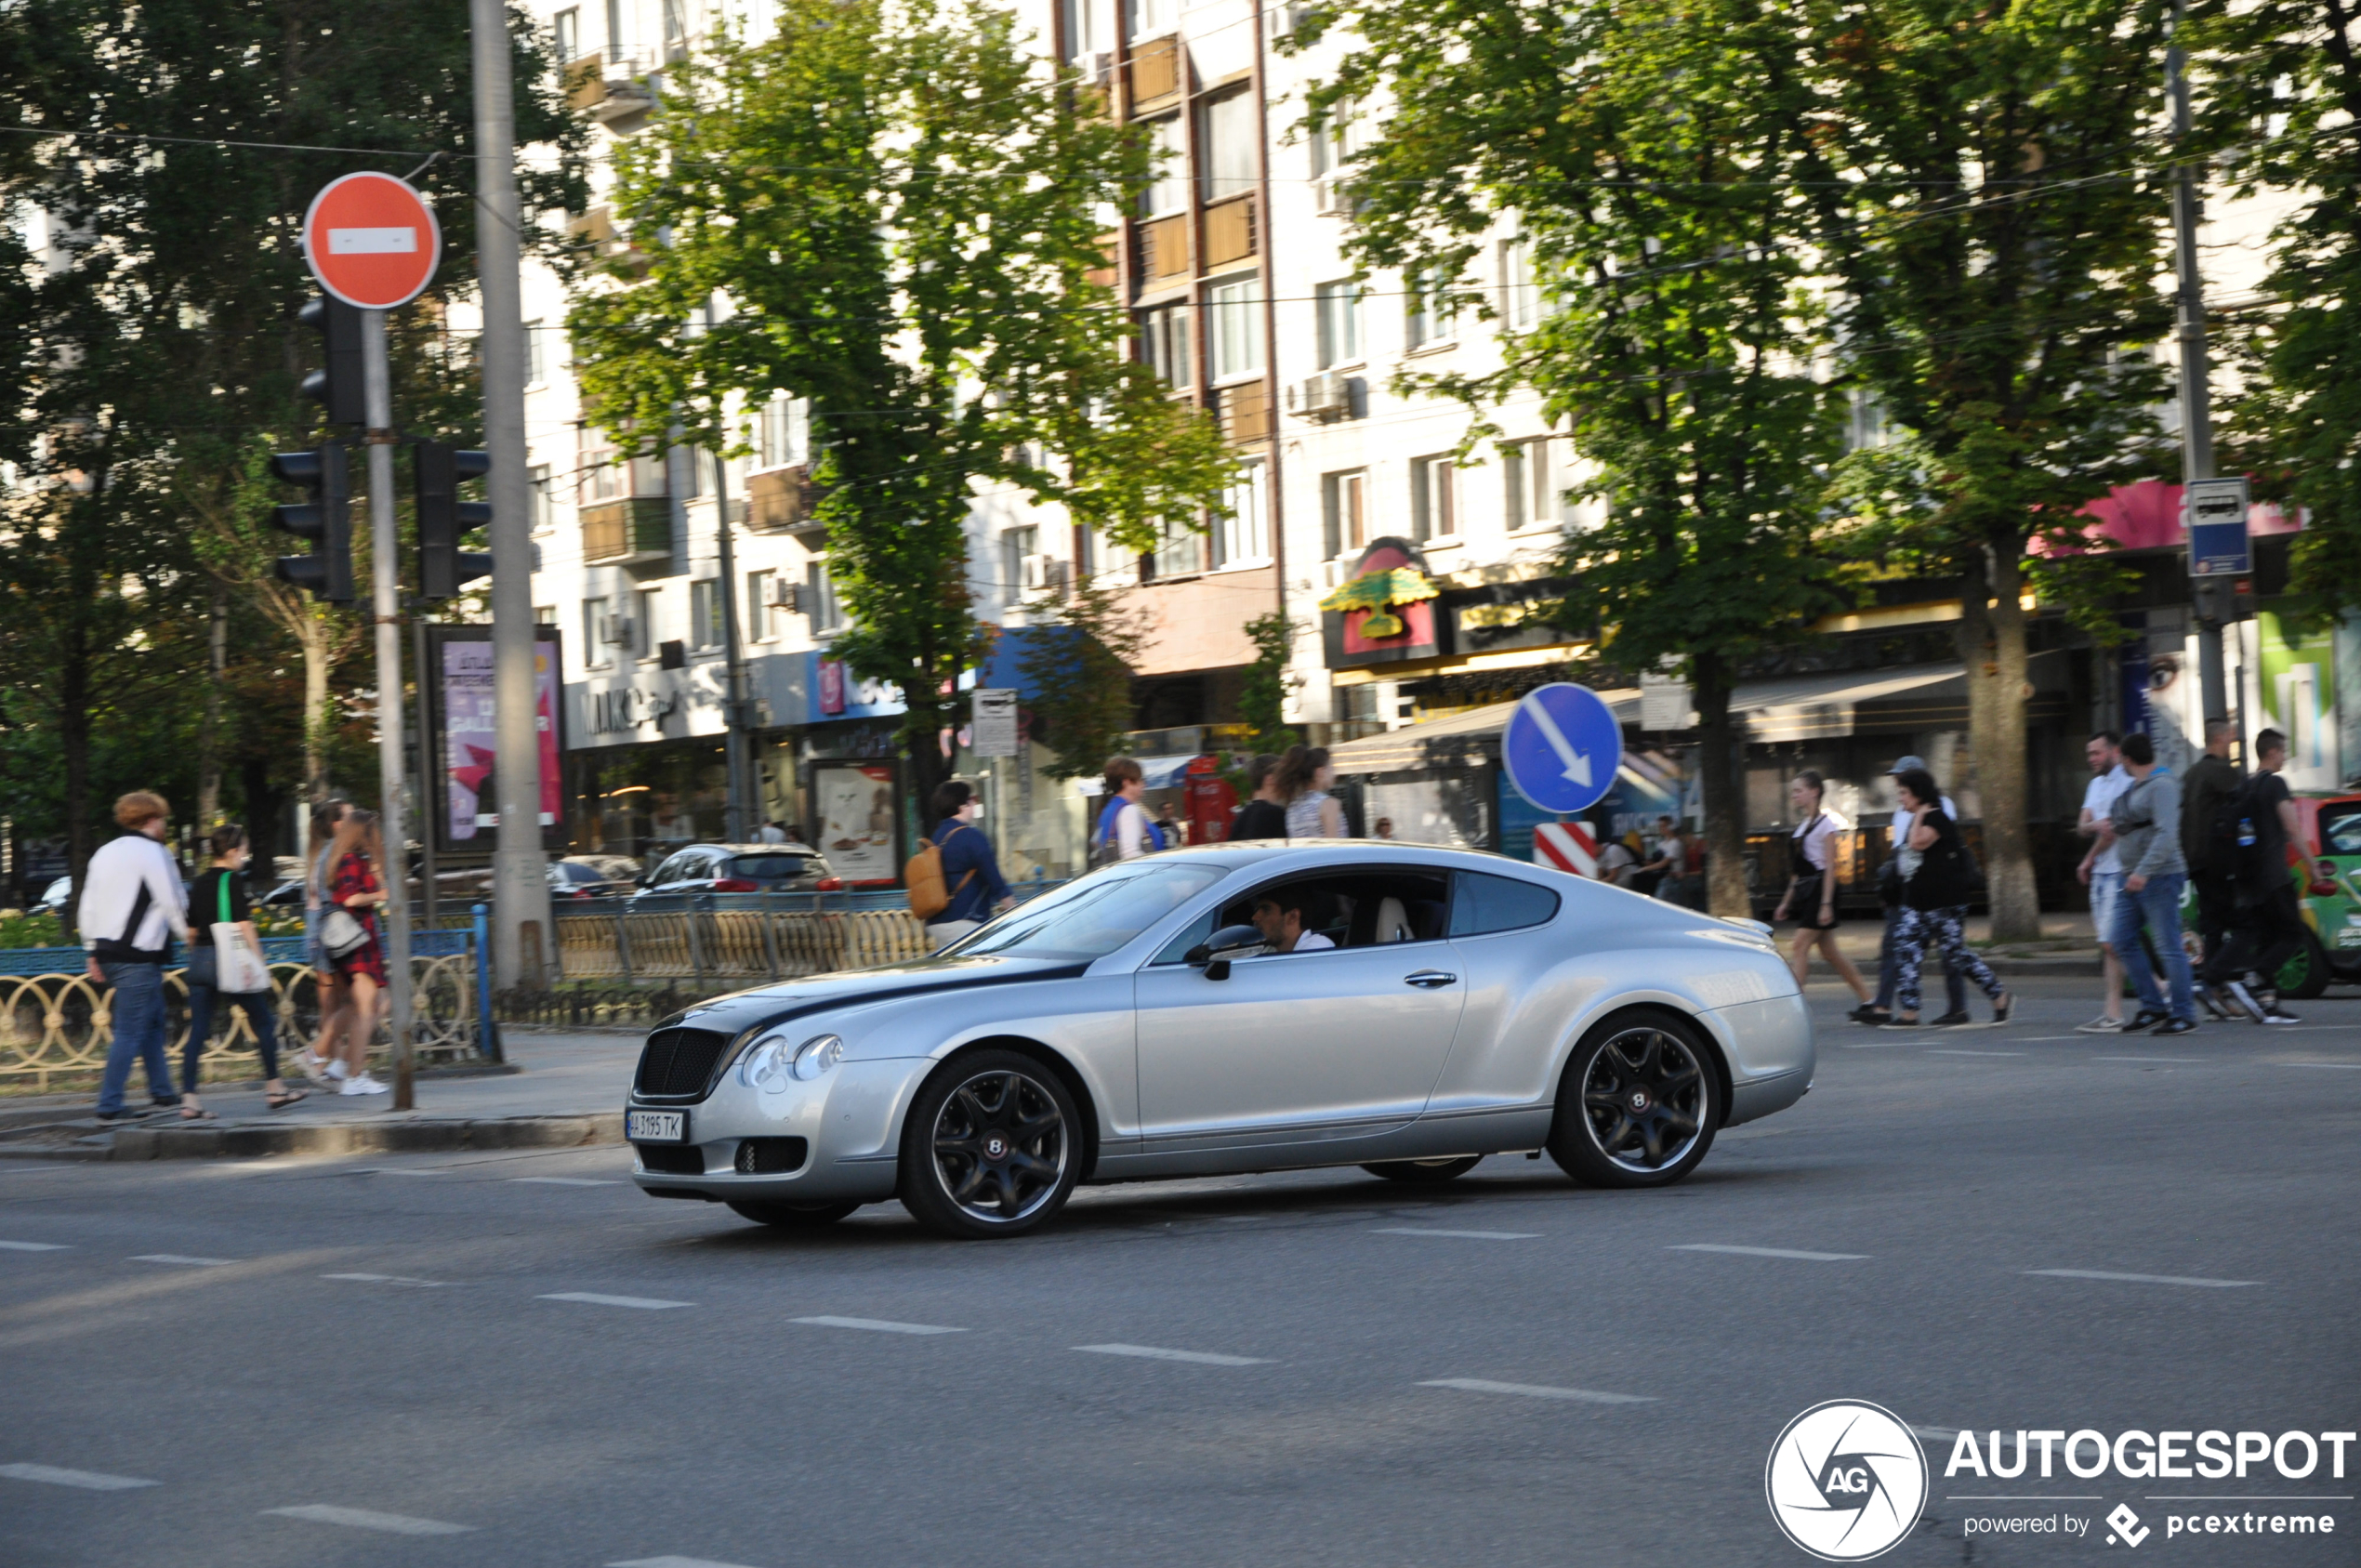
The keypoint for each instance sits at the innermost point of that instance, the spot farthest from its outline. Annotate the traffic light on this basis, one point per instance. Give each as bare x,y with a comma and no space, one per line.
325,520
339,388
443,519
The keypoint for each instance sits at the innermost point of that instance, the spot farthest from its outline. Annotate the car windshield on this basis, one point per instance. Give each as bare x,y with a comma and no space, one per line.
768,867
1092,915
2341,830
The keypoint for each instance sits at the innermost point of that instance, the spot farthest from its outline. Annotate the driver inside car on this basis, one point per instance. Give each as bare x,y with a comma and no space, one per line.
1279,916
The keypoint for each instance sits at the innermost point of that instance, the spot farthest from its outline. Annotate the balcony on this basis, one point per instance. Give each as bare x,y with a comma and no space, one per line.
779,501
626,531
590,89
1245,410
1231,229
1164,250
1155,72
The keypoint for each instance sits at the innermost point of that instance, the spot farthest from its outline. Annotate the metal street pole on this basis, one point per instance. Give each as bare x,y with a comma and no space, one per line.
384,598
738,745
2215,598
520,870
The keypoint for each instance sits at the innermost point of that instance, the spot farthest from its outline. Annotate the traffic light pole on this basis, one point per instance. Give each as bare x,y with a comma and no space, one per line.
522,938
385,580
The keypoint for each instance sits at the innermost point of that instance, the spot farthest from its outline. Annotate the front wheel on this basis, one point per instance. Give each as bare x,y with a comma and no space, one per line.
992,1147
1638,1105
792,1217
1424,1171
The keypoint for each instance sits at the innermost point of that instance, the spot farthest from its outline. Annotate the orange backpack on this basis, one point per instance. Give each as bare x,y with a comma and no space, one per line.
923,879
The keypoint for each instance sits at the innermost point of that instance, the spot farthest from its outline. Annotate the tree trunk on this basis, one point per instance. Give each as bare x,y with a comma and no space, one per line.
315,634
74,742
209,737
1992,645
1724,801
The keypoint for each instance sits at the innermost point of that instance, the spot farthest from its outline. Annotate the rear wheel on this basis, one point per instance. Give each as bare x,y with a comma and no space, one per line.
792,1217
1638,1105
2305,975
1425,1170
992,1147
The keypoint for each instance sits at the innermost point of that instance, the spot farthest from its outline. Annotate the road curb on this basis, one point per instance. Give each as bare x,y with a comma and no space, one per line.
419,1136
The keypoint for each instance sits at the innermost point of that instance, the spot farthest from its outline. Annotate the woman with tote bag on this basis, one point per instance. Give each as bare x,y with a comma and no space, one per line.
225,959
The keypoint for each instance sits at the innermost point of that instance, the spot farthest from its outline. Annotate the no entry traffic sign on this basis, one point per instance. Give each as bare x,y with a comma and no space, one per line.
371,240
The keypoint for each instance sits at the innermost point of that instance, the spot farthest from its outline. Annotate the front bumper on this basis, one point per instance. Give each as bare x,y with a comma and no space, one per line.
848,1119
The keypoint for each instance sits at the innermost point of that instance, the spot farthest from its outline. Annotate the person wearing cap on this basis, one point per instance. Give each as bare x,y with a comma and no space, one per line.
1891,877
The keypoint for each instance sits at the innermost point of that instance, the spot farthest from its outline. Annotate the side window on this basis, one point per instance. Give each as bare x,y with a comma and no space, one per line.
680,868
1483,903
1176,950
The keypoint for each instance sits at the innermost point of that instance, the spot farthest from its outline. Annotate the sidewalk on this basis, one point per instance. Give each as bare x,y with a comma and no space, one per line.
559,1090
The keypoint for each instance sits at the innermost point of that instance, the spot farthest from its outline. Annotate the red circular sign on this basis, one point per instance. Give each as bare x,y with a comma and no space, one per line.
371,240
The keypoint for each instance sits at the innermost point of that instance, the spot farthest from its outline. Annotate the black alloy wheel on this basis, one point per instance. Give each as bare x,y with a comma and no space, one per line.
991,1147
1425,1170
1638,1105
791,1216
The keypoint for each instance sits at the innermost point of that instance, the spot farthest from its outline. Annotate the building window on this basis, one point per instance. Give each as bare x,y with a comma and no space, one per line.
1428,318
615,29
783,433
596,653
1339,307
565,31
1015,544
1081,29
1234,327
646,605
1520,300
1344,507
676,30
821,601
1151,18
1168,188
759,596
545,499
1243,537
1228,136
1433,513
1528,486
544,614
705,614
1164,344
536,368
1180,552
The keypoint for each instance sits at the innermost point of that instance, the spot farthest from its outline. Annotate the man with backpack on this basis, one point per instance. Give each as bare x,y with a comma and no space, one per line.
955,882
2210,786
2253,829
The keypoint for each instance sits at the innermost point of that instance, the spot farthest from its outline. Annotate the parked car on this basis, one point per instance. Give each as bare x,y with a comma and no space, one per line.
1229,1009
591,876
733,869
2330,827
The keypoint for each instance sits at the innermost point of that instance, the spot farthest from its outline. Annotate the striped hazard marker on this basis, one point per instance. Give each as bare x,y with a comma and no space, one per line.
1567,847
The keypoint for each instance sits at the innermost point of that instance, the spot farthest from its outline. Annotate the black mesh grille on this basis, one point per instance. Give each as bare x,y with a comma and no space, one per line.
680,1062
671,1159
770,1157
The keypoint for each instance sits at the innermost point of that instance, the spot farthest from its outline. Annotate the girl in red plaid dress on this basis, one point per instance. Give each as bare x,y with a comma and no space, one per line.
357,886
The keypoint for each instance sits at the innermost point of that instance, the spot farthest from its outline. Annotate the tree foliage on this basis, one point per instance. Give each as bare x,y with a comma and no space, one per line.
900,210
1078,660
1262,694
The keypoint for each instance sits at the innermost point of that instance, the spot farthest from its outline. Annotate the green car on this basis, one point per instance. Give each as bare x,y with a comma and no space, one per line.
2329,826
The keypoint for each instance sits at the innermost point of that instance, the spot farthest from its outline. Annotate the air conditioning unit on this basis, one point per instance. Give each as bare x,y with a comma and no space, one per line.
1281,20
1097,67
1322,396
1329,194
1042,573
785,596
1332,574
618,630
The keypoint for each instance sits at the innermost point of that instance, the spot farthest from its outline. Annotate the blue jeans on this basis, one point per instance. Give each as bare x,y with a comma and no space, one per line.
2158,906
257,1010
138,1032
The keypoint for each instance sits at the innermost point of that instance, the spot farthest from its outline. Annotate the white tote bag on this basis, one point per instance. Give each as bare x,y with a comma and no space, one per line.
238,969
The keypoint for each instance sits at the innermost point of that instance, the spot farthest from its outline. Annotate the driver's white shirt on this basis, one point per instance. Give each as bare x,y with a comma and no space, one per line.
1309,941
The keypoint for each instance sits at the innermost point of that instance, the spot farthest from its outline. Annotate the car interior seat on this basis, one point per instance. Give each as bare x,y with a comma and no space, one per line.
1392,922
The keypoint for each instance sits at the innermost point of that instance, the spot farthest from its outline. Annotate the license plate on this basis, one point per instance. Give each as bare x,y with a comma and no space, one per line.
656,1127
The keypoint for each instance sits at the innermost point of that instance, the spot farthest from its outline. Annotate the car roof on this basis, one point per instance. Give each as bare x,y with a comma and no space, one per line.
790,848
1282,853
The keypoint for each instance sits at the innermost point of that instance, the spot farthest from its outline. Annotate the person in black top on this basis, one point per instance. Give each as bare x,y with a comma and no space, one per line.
1935,902
219,897
2203,789
2267,927
1265,816
970,871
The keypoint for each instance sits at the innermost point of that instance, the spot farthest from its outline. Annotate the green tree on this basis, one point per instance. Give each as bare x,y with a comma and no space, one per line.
898,209
1992,216
1078,662
1648,159
1262,694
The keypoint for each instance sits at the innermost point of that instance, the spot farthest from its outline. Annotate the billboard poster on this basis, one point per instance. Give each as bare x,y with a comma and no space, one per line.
857,806
467,812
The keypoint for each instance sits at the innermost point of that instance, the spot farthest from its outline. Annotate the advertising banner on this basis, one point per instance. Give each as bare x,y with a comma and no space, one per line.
465,811
858,807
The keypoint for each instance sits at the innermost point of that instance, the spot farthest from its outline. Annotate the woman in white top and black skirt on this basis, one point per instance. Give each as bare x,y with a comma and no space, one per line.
1812,891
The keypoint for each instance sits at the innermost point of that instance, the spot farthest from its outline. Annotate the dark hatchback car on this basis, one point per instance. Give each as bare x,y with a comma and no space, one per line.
733,869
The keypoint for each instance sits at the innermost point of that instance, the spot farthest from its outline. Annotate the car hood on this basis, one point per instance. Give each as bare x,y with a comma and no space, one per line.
846,989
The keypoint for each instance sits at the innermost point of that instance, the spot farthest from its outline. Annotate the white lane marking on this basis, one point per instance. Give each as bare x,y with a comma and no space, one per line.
1535,1391
32,1247
368,1519
89,1481
878,1326
385,1279
1938,1050
186,1263
594,1299
1156,1352
674,1563
2147,1058
1471,1235
1770,1252
2140,1279
396,1170
580,1181
2333,1067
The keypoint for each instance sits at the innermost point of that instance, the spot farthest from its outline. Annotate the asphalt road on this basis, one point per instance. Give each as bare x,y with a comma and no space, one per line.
518,1360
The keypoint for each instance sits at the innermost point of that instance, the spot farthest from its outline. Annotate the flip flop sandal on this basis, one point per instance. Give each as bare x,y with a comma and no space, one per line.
189,1115
280,1101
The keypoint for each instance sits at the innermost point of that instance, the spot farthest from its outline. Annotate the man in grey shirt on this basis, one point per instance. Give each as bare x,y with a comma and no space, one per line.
2146,820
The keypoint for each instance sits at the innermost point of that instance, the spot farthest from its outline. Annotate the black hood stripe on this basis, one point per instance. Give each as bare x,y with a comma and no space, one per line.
891,994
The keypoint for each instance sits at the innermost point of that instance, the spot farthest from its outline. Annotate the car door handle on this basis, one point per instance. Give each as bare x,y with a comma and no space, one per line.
1429,979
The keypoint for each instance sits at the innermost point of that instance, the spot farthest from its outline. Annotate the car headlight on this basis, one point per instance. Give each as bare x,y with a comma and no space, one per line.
775,1059
816,1055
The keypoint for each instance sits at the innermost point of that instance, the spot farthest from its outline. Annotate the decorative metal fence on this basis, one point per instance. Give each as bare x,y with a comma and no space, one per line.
56,1021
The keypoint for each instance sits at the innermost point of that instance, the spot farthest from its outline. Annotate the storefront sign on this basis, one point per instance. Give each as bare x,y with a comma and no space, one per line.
1385,612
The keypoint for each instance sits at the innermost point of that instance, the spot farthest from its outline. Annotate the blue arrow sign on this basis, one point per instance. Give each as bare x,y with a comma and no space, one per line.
1562,747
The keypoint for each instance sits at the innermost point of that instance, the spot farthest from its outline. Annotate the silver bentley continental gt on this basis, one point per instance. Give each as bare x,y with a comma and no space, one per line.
1232,1008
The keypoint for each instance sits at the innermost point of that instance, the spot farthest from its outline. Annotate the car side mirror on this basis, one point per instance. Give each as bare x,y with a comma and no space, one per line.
1214,954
